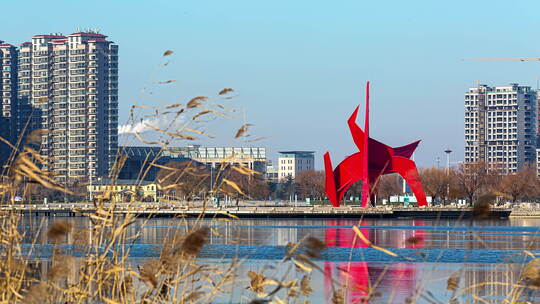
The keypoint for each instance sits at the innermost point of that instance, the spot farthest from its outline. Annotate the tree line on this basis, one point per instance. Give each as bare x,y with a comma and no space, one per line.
190,180
468,182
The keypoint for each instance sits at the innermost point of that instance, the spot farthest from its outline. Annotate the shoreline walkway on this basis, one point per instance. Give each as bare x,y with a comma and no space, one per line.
170,210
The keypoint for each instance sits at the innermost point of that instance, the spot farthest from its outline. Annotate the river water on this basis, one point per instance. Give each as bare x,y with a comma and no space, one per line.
428,253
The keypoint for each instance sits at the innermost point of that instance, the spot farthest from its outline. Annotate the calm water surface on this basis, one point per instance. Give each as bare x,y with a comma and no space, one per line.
482,251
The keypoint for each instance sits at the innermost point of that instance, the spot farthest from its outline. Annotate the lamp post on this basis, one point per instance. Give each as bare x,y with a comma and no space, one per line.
447,151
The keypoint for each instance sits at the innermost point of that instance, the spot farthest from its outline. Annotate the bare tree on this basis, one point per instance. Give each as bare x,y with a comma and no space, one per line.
251,184
184,180
355,190
518,186
436,182
389,185
310,184
474,178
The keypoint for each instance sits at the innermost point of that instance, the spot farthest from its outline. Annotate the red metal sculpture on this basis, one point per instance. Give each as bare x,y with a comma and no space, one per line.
373,160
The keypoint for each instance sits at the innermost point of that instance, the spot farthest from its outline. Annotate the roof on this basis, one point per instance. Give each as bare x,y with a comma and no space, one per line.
25,43
97,40
48,36
87,34
296,152
140,150
59,41
121,182
5,45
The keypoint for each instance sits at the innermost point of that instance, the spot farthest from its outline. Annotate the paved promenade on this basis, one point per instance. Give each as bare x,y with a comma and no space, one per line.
258,211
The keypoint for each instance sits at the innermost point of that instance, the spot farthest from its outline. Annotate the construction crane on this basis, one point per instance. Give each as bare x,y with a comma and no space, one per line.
505,59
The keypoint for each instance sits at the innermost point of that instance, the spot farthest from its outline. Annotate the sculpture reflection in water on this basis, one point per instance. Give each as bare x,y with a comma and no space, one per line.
390,280
373,160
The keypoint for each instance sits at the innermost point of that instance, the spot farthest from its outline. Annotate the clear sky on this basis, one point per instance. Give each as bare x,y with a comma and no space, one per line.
300,66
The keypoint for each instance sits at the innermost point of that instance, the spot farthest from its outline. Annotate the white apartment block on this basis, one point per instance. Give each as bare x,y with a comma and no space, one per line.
72,83
290,163
500,126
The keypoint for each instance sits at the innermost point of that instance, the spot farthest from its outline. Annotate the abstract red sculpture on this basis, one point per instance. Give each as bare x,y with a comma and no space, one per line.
373,160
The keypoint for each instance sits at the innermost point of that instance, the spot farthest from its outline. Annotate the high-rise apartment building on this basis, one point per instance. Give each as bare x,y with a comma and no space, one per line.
8,95
71,83
501,126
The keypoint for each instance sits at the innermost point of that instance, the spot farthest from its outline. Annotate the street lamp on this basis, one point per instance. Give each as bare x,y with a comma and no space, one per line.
447,151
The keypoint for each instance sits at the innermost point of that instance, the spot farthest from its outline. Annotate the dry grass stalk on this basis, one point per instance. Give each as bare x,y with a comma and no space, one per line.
195,102
243,129
531,273
256,283
103,273
149,272
453,282
37,294
194,241
413,240
305,286
58,230
314,246
226,91
370,244
338,297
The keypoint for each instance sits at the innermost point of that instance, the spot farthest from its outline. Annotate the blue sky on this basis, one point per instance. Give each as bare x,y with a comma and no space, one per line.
300,66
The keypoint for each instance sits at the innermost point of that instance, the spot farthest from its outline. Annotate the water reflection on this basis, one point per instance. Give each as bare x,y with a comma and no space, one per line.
361,277
496,234
393,281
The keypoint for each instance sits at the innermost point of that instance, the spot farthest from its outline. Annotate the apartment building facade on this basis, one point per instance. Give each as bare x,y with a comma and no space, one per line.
8,96
290,163
501,126
71,84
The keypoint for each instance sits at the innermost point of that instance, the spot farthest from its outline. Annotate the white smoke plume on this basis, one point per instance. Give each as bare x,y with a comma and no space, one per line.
142,126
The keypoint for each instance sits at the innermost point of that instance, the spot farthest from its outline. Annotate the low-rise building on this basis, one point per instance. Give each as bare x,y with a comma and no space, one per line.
123,190
137,164
290,163
272,172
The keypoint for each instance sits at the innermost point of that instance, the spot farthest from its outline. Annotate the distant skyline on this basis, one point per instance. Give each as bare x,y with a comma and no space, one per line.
309,57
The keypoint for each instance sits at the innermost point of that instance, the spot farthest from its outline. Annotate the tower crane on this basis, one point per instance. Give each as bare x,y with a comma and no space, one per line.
505,59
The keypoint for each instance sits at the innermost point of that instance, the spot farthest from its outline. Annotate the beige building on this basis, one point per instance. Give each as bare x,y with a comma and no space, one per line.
72,83
124,190
290,163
